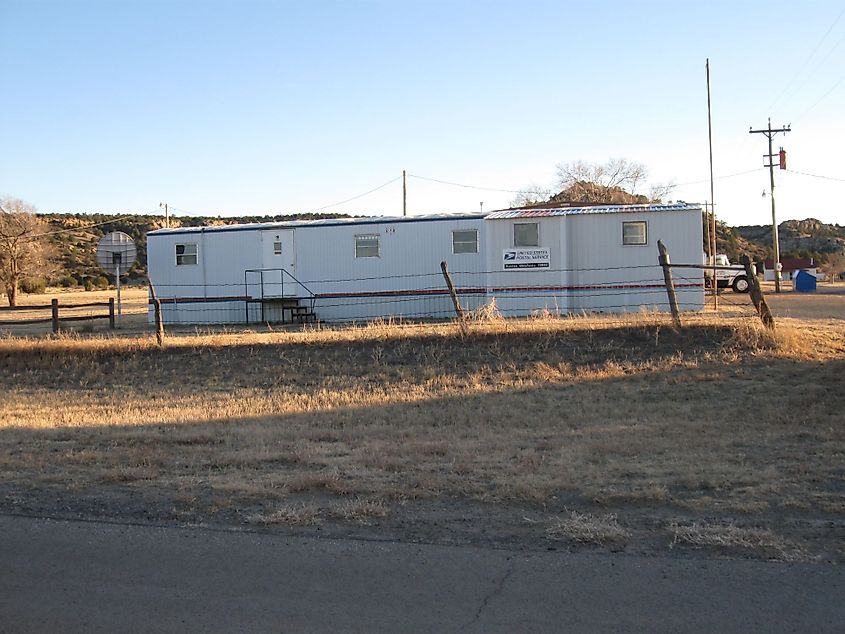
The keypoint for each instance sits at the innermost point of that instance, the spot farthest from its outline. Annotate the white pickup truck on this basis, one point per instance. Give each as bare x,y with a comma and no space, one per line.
734,276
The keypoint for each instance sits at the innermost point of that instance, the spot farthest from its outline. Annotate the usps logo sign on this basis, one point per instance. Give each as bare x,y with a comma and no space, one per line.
526,258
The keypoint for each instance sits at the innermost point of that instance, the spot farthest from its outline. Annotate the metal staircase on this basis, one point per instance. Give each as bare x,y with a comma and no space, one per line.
266,288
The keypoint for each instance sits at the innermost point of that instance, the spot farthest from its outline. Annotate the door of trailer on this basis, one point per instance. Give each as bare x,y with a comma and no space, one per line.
278,259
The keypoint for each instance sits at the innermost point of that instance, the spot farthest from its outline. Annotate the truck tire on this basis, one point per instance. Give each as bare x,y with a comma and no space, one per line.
740,284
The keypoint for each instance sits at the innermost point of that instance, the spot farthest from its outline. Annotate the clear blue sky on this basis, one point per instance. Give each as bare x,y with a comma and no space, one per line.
273,107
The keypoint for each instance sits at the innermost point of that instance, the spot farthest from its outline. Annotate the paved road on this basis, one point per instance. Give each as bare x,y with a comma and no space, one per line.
59,576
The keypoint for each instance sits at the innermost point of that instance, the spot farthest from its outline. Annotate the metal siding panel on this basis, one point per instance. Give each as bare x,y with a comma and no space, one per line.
410,256
522,292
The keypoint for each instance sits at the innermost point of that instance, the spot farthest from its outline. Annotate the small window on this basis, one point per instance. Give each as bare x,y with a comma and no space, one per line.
277,248
366,246
635,233
526,234
186,254
465,241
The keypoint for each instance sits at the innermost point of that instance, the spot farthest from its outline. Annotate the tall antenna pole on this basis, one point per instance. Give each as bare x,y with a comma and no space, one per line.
770,134
712,232
404,195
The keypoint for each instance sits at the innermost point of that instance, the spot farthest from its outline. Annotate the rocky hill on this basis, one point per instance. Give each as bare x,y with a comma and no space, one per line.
808,237
732,243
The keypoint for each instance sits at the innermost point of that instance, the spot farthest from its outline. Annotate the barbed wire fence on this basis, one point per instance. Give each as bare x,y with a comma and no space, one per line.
610,294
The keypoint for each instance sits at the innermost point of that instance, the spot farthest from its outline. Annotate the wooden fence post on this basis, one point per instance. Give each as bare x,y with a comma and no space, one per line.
54,306
667,278
111,313
159,322
757,293
458,310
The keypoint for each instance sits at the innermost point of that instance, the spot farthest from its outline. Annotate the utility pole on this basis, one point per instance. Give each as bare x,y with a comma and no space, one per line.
770,134
711,233
404,195
166,214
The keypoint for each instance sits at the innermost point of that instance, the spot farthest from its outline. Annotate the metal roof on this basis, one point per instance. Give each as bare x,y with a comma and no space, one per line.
378,220
325,222
598,209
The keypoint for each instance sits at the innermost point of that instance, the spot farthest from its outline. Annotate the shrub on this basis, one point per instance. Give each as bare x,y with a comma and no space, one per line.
101,282
67,281
33,286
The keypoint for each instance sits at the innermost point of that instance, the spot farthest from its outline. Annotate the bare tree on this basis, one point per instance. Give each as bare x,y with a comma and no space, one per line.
24,254
834,266
658,191
531,194
615,181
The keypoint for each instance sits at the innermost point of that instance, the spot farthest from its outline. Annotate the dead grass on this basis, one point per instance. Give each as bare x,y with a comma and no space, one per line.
622,411
361,510
727,536
300,514
599,530
356,510
649,493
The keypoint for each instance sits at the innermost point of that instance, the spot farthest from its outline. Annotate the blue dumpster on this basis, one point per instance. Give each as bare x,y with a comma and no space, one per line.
804,282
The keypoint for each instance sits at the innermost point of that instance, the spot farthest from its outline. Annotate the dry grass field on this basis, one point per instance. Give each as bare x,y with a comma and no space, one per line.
616,433
133,303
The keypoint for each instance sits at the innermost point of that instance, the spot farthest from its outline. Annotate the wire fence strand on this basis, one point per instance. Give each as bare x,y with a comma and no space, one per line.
601,291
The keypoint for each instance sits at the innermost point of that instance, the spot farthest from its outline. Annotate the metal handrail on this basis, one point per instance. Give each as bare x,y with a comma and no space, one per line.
312,297
310,293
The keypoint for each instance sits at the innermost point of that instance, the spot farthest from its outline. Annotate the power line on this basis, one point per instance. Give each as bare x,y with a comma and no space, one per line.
822,98
803,66
519,191
707,180
83,227
489,189
820,64
827,178
348,200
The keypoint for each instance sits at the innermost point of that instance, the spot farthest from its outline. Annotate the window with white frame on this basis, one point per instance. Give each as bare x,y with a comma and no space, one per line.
635,233
526,234
186,254
465,241
366,246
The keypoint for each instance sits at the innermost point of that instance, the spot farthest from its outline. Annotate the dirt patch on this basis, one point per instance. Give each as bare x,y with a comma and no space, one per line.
827,303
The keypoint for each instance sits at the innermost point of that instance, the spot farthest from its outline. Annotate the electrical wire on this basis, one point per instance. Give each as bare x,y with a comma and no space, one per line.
348,200
707,180
82,228
827,178
820,99
803,66
489,189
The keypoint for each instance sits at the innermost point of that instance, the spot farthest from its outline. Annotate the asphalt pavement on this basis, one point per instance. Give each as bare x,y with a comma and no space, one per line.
62,576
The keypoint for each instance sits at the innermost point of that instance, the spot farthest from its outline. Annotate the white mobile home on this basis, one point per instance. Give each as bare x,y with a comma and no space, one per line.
601,258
